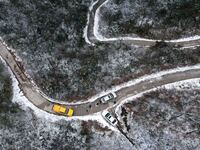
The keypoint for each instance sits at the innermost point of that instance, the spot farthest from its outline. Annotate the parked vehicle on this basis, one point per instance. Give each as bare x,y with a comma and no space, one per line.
109,118
62,110
108,97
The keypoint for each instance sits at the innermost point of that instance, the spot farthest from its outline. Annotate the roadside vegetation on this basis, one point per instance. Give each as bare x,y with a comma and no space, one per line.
6,106
160,57
164,119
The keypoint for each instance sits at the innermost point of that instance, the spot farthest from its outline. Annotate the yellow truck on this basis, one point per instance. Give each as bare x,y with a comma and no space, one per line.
62,110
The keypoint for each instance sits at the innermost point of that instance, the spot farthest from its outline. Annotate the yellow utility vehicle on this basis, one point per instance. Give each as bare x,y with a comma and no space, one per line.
62,110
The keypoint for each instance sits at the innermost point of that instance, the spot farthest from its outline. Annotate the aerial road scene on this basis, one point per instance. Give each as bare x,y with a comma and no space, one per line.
99,75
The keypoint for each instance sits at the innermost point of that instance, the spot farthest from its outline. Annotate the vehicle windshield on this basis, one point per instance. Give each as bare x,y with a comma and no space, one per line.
114,121
107,115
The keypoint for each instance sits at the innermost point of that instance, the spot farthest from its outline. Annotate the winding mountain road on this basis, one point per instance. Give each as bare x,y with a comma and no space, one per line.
44,103
36,97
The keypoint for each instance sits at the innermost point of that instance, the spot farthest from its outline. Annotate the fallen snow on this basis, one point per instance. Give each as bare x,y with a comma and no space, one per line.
192,38
191,47
189,84
85,31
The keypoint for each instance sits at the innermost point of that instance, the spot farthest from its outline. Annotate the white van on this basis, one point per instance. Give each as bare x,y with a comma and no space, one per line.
109,118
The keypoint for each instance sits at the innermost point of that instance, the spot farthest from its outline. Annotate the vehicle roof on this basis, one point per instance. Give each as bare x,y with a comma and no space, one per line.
111,119
114,94
70,112
106,98
58,108
105,112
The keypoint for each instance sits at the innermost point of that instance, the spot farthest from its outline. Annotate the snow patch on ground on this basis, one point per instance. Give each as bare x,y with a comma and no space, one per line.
191,47
85,31
192,38
189,84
